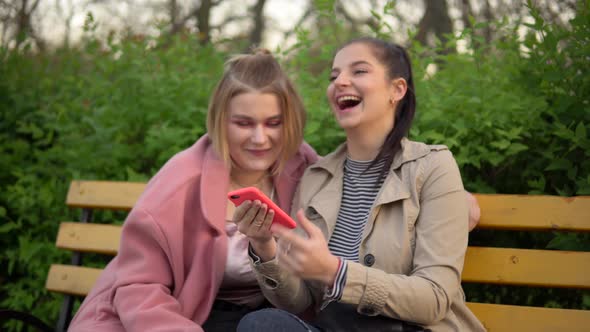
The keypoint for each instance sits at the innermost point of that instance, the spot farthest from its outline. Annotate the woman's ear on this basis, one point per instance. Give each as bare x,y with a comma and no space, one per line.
398,90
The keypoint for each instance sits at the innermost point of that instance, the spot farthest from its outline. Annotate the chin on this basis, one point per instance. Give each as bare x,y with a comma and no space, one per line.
347,123
347,120
259,167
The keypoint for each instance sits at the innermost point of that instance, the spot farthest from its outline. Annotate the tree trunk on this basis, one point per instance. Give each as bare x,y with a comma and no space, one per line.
203,24
24,25
466,13
436,21
258,28
487,14
173,13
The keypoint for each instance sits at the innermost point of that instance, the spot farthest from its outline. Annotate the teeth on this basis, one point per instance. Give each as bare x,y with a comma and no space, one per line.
344,98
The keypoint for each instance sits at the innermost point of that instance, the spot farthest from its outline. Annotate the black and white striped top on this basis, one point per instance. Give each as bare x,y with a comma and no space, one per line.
358,194
359,190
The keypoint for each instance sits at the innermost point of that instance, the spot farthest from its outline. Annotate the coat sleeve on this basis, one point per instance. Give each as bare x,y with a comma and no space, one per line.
425,295
283,289
142,296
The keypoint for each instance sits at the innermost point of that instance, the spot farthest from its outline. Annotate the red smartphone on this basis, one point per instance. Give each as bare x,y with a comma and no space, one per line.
252,194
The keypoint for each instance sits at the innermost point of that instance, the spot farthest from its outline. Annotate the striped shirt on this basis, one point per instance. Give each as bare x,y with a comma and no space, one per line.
359,190
358,194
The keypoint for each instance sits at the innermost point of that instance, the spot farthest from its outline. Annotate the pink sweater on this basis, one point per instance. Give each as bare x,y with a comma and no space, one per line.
173,247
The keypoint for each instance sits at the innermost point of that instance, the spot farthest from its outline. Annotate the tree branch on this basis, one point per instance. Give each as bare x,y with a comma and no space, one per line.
301,20
227,20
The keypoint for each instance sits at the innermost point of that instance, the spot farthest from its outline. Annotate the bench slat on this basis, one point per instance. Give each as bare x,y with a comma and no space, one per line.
547,268
506,266
104,194
500,318
514,212
530,212
72,280
96,238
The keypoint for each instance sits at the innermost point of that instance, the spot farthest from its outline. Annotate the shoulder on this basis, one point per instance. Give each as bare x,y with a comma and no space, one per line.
423,154
189,160
179,176
434,169
439,157
413,150
303,158
307,154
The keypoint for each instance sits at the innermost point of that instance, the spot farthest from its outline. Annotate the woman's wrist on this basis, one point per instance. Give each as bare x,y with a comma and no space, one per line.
266,250
332,271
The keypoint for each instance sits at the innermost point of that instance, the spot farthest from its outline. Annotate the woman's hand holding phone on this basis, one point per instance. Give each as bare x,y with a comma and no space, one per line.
254,220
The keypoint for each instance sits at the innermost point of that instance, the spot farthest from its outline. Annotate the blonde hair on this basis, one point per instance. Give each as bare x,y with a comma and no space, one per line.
257,72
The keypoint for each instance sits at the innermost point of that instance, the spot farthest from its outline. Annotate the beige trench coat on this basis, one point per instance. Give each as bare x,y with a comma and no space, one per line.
413,245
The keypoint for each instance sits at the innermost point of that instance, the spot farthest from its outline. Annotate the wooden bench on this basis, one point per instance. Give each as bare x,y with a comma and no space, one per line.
502,266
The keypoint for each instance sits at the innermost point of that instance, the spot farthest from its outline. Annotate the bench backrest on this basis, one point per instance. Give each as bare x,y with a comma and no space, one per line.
503,266
530,267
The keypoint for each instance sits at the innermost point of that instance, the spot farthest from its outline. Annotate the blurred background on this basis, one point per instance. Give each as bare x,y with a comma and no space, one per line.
111,89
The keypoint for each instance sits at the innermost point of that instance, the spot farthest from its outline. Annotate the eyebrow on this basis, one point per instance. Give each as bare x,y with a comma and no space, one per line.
356,63
241,116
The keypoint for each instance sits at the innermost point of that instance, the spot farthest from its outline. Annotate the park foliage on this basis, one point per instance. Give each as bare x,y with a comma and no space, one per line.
515,112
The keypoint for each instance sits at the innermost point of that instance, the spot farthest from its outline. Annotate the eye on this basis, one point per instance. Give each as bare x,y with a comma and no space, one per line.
242,123
333,76
360,71
274,123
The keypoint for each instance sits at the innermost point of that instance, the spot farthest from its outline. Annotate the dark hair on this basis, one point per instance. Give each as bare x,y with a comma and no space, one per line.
396,60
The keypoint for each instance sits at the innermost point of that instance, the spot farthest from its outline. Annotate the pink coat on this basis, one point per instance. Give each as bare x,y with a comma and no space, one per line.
174,247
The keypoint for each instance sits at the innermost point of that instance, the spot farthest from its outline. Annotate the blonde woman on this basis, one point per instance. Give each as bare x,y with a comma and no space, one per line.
182,264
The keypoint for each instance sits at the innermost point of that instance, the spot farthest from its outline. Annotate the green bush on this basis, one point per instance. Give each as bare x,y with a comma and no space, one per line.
515,113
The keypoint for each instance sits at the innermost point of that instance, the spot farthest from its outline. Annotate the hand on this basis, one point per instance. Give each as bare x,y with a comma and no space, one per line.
308,258
254,220
474,211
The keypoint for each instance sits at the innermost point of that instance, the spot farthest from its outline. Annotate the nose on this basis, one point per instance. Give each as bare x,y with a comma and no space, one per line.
342,79
259,135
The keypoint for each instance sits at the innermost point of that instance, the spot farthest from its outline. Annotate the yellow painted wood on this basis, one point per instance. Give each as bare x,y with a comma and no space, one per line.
97,238
104,194
485,265
73,280
534,212
509,318
548,268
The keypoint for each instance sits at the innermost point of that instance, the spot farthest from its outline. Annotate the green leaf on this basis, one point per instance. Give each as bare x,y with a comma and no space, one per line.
8,227
502,144
495,158
559,164
516,148
580,131
538,184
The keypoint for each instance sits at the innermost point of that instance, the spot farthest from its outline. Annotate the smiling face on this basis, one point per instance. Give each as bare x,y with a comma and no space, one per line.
254,131
360,92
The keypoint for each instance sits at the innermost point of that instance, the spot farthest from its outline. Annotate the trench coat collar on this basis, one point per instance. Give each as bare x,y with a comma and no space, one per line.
410,151
393,188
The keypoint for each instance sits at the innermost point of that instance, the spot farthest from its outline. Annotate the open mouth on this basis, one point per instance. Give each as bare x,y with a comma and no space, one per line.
346,102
